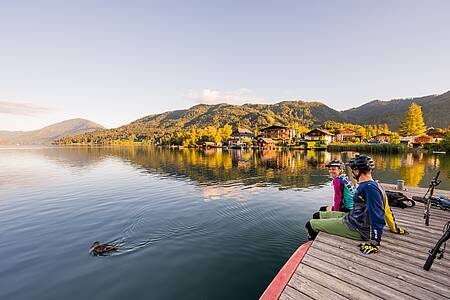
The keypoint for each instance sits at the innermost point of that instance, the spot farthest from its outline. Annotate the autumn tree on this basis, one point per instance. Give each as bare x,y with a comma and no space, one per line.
225,132
412,123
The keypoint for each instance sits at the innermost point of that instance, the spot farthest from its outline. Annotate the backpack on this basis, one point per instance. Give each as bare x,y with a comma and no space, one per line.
343,206
397,199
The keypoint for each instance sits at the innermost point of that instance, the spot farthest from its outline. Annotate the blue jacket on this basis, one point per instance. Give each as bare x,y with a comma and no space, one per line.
368,214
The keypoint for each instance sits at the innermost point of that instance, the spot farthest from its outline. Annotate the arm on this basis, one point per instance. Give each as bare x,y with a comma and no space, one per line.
375,207
389,217
337,194
390,220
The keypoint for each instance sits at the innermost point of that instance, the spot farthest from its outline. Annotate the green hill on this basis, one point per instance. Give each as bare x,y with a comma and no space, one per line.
435,109
247,115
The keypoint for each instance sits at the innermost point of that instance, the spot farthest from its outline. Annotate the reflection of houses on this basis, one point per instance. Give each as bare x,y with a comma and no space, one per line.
277,133
319,135
211,145
276,160
416,141
266,143
436,134
240,136
347,135
381,138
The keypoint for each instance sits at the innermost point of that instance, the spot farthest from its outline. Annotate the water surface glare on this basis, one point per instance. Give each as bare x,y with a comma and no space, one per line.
190,224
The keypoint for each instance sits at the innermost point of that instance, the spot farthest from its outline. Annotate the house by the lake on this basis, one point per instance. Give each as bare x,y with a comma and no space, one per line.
436,134
347,135
241,137
416,141
279,134
381,138
319,135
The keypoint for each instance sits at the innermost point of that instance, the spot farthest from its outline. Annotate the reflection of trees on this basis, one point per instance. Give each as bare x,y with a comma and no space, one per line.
284,168
412,174
412,169
209,167
296,169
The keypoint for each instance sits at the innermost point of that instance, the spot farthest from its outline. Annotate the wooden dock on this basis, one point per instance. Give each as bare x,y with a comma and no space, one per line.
332,267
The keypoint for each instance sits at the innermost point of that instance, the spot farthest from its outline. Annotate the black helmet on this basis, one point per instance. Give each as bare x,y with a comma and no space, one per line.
362,163
335,163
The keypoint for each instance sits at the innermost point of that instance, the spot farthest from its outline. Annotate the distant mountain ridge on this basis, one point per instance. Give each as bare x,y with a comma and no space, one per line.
247,115
49,133
435,109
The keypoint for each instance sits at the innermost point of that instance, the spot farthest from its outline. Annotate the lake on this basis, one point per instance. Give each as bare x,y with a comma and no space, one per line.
190,224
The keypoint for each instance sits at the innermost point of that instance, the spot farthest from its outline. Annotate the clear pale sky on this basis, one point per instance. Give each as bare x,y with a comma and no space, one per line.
115,61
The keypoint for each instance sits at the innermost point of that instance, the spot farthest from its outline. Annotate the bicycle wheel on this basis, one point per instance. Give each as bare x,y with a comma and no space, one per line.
427,212
429,262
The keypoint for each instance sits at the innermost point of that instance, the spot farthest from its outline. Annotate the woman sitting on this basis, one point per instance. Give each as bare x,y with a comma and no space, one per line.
343,188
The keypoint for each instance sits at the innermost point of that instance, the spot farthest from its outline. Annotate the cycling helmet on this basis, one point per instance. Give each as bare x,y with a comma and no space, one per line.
361,163
335,163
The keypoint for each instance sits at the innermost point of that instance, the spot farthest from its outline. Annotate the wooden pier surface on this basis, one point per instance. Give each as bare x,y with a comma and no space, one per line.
334,268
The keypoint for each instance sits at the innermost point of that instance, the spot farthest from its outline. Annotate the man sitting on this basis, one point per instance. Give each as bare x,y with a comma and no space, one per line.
370,212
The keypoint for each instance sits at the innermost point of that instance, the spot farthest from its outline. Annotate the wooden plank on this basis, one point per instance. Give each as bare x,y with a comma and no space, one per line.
408,272
435,214
315,290
350,245
419,229
418,239
411,222
340,287
290,293
355,279
412,190
421,254
410,239
334,268
410,245
383,274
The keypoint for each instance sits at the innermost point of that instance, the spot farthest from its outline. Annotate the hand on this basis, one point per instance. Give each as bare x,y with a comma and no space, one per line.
329,208
369,248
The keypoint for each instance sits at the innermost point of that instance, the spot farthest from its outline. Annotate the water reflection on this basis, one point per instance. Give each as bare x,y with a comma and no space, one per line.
286,169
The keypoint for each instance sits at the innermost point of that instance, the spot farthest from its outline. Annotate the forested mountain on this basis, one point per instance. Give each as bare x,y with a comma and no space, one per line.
247,115
49,133
435,109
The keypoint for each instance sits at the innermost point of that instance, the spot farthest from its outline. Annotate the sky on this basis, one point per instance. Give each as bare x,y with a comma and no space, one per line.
113,62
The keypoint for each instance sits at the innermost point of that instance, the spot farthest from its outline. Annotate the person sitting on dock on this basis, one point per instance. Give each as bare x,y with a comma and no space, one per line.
343,188
370,213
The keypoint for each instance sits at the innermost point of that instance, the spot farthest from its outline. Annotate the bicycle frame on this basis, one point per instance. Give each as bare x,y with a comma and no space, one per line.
434,183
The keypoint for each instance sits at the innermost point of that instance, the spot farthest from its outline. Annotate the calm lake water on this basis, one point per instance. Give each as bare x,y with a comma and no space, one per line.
190,224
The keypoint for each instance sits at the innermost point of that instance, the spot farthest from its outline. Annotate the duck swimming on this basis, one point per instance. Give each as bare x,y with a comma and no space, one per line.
99,249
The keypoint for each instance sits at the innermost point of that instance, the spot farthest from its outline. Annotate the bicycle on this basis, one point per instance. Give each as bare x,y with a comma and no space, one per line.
429,200
437,248
439,203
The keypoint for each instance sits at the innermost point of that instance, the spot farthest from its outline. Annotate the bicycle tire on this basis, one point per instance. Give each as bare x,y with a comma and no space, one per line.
427,212
429,262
